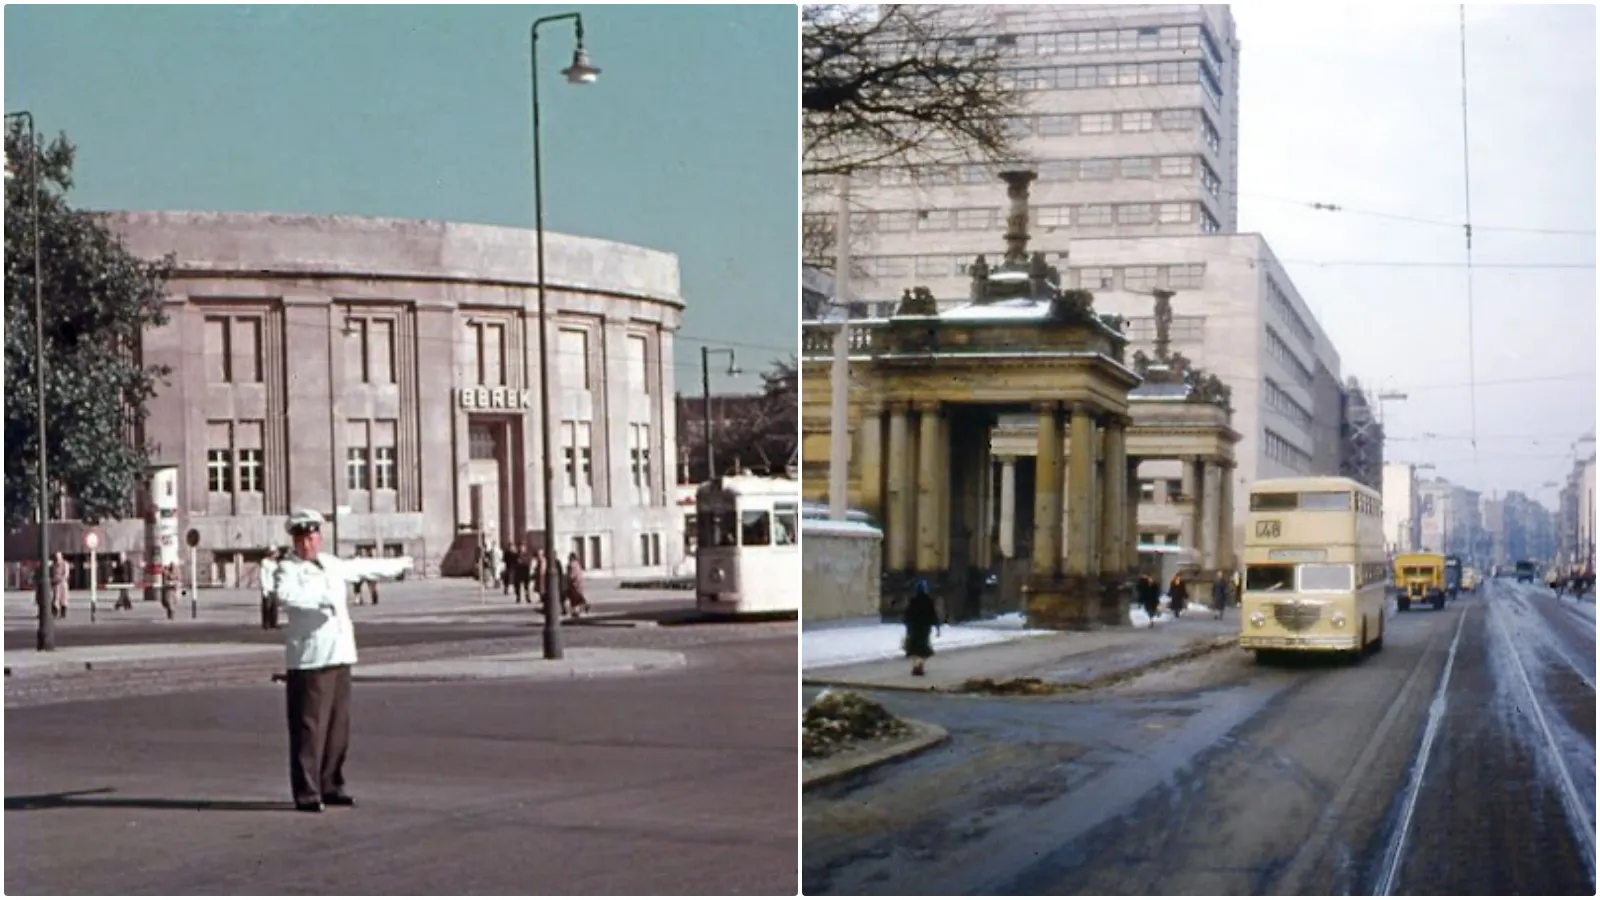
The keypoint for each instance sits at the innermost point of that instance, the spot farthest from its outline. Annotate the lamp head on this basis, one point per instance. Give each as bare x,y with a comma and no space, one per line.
580,72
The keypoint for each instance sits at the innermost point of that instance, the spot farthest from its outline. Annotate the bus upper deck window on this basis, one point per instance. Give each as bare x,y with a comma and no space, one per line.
1273,502
1269,578
756,527
1325,501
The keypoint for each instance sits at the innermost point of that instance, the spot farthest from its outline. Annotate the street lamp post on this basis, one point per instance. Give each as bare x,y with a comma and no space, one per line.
580,72
46,636
705,403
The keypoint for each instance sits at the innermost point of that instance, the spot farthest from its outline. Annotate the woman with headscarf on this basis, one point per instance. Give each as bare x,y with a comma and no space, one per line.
921,620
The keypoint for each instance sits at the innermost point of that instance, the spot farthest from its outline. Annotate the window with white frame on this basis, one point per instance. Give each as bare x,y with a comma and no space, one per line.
358,456
1056,125
1142,120
384,477
1094,214
1178,119
1189,276
639,458
1058,170
1096,123
578,457
1139,278
1097,169
1053,216
1139,167
1171,213
1136,214
219,457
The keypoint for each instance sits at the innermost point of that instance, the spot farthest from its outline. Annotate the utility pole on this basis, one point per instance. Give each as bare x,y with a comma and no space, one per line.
839,414
705,409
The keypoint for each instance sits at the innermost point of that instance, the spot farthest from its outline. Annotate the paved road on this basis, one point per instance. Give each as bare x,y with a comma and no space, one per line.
655,784
1226,777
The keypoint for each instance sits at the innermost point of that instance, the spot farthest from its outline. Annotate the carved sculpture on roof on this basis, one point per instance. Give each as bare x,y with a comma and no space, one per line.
1072,306
1163,323
917,302
1209,388
1043,278
980,280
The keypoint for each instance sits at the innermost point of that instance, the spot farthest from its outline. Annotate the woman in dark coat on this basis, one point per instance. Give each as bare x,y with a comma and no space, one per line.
921,620
1149,594
1177,594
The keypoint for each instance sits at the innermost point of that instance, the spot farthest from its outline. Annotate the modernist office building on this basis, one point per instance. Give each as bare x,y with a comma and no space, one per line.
1130,118
389,371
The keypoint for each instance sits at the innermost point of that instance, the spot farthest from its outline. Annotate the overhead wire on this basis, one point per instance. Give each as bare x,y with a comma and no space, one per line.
1466,179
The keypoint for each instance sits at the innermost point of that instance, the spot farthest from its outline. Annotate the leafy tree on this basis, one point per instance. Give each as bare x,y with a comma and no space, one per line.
98,299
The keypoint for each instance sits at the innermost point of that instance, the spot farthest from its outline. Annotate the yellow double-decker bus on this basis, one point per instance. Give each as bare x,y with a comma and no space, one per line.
1315,570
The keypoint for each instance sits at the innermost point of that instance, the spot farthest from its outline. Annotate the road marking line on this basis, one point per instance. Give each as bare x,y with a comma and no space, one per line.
1577,813
1395,853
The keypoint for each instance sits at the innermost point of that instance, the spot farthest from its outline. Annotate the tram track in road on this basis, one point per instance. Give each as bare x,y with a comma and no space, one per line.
1580,812
1394,852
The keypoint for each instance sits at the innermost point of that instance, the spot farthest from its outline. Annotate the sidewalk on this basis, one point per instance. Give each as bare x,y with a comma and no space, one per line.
1056,660
410,600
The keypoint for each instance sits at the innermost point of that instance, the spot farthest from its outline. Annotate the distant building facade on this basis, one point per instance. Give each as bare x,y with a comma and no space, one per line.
388,374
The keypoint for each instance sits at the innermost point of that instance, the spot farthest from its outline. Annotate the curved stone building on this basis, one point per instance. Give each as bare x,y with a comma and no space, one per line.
389,371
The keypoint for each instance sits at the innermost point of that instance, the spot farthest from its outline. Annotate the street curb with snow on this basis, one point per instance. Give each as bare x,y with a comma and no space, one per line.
577,662
924,736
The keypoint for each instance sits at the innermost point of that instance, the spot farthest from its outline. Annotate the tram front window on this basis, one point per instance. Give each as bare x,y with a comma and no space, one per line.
756,525
719,529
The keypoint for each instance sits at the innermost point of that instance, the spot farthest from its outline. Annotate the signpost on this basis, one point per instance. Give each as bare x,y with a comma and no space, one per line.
91,542
193,540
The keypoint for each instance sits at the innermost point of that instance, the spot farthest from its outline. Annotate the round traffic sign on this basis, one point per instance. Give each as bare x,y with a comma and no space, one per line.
91,540
192,538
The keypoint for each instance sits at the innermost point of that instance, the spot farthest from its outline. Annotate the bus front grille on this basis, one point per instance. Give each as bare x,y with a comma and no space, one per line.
1296,615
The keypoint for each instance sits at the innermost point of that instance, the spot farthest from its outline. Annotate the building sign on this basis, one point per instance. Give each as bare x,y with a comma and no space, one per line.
494,398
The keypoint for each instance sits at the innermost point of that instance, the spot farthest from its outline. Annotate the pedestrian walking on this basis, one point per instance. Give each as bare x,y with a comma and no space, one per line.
921,621
1177,594
537,574
319,649
58,585
1149,595
497,568
577,601
269,588
516,570
1219,593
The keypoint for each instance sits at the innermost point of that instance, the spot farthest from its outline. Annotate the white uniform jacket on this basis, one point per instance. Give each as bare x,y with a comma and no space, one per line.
318,632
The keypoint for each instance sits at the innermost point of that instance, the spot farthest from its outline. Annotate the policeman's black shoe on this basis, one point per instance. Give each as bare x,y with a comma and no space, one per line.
338,800
315,806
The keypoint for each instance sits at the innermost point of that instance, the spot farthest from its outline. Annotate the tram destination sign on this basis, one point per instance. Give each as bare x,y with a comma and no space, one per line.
494,398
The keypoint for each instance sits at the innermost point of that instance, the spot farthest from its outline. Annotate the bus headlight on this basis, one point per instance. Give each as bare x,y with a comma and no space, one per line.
1258,618
1338,620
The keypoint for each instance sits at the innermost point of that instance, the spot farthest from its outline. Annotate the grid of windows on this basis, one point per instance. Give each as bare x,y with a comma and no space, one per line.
1279,448
1068,78
1279,399
1285,309
233,457
1279,350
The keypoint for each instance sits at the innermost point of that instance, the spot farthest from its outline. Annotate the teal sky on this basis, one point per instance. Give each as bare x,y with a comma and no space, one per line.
687,143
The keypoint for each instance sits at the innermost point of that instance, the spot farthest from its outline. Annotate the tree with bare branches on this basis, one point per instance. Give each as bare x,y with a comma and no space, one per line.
902,86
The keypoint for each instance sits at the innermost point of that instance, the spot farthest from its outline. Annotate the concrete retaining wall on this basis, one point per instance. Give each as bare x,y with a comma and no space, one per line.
842,566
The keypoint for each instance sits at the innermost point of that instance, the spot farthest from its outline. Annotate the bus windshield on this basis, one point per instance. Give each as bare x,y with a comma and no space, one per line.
1269,578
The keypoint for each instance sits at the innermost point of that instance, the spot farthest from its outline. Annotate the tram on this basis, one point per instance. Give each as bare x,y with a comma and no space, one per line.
747,555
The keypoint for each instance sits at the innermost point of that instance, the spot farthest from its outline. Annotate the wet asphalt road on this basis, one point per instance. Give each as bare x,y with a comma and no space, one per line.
1223,776
675,783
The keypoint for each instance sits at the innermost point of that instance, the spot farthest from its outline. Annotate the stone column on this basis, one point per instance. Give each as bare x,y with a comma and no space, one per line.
1008,506
1130,534
930,472
899,522
1211,514
869,472
1114,514
1080,487
1225,518
1047,493
1194,473
1188,508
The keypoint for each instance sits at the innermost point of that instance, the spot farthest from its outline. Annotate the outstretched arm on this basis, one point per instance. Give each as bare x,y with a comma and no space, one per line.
373,568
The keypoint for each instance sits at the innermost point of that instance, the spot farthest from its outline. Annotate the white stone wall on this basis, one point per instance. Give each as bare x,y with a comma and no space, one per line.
841,570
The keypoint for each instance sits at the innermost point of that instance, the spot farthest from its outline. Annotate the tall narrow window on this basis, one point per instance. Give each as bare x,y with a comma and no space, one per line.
383,455
494,354
357,456
569,450
219,359
246,350
219,457
585,456
247,449
355,350
572,349
638,365
472,355
380,349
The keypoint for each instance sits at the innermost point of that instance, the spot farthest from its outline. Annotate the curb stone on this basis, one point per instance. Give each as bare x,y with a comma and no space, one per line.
924,736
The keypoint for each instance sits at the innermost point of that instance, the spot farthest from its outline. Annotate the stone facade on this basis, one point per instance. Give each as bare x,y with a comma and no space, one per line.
389,371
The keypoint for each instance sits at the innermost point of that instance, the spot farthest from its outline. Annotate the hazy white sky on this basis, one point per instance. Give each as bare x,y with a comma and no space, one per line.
1361,106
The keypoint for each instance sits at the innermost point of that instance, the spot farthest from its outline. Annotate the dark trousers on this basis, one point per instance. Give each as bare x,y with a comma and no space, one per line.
319,731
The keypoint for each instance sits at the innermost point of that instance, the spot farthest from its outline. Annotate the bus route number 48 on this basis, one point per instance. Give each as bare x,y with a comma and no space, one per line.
1270,528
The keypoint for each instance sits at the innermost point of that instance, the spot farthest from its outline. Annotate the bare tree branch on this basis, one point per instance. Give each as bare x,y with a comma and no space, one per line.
911,86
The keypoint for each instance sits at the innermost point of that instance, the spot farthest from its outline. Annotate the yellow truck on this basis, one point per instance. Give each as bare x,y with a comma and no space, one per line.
1420,578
